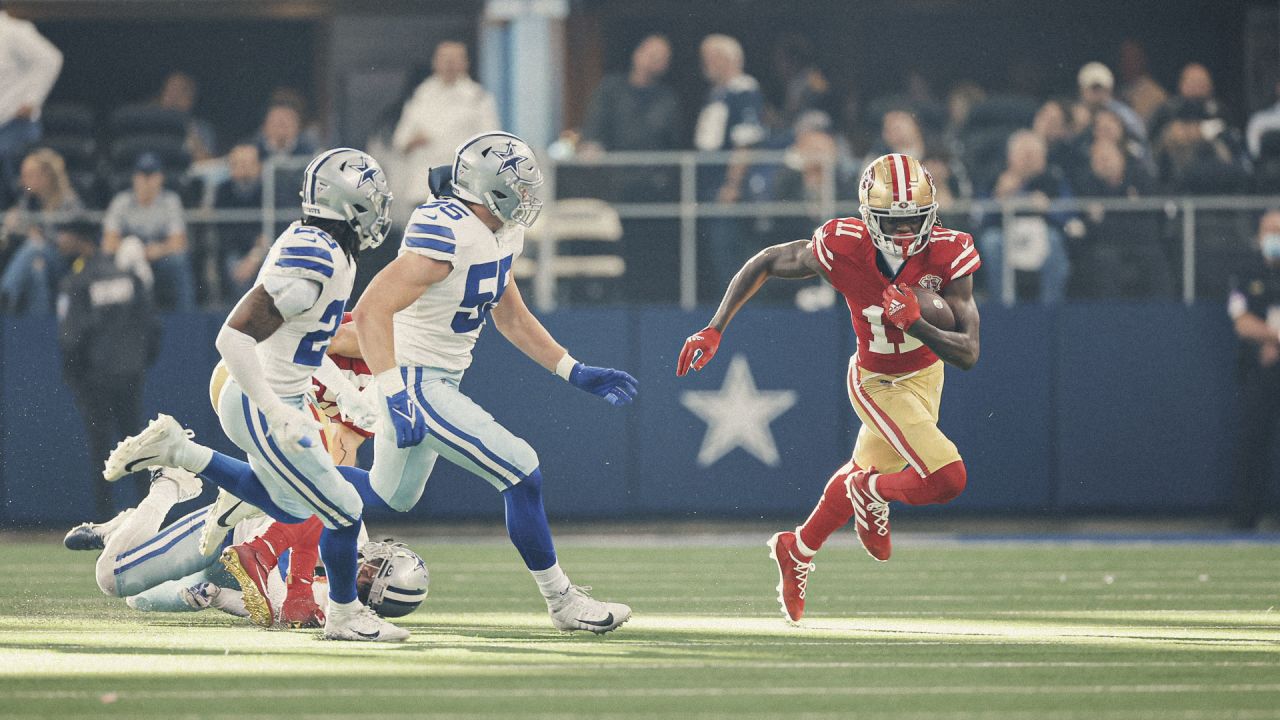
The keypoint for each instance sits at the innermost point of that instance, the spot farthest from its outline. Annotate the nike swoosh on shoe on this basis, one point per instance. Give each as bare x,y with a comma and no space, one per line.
598,623
222,520
370,636
134,465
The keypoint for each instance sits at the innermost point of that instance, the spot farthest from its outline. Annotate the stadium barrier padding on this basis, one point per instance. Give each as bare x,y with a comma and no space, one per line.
1082,408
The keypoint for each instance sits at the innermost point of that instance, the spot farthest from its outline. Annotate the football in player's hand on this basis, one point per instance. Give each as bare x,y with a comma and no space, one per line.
934,310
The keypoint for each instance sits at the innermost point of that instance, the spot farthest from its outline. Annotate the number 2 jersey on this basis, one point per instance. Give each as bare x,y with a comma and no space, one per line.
851,261
440,328
294,351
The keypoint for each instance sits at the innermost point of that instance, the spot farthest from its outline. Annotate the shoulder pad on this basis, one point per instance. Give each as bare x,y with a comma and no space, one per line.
305,252
955,251
435,229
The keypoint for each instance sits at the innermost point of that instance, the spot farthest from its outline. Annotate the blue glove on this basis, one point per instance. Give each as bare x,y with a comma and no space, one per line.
615,386
408,419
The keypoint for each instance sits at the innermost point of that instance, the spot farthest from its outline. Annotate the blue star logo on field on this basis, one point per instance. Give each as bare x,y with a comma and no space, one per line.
510,160
738,415
367,174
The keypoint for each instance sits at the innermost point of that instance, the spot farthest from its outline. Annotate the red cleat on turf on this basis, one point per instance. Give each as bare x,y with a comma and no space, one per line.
793,574
300,609
251,568
870,513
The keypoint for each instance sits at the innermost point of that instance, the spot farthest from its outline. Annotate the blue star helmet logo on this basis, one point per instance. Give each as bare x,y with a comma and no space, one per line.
367,174
510,161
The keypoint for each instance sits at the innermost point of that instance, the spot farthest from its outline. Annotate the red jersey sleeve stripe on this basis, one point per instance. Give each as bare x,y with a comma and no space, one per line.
966,269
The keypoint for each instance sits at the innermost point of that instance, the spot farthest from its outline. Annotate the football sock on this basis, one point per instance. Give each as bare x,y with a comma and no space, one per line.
831,513
304,551
193,456
940,486
552,582
527,522
359,478
238,478
338,548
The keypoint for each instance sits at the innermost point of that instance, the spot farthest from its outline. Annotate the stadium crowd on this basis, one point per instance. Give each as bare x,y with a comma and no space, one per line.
1116,134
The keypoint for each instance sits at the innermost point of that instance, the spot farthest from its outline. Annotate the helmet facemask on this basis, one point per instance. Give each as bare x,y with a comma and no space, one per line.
371,222
899,245
897,188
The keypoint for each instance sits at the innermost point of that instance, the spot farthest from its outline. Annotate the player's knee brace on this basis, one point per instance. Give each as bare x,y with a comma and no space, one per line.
948,482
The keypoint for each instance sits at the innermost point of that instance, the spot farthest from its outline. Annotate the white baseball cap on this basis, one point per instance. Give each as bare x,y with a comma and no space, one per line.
1095,73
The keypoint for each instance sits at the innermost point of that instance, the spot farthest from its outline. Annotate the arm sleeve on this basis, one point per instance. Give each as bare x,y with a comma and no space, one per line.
333,379
292,295
239,352
177,224
111,221
43,63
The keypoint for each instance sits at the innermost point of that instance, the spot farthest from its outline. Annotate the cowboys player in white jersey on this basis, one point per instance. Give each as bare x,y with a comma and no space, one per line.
417,323
273,343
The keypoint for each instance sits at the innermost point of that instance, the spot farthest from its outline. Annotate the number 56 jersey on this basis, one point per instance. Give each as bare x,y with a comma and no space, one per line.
440,328
853,264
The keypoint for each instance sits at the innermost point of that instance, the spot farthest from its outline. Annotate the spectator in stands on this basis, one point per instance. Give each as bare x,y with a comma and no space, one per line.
901,133
1113,172
154,216
179,93
241,246
1035,240
29,66
636,110
804,175
1108,127
1096,85
1137,88
1195,88
1051,123
30,230
1123,254
731,119
446,109
805,86
1260,123
109,334
1254,306
1195,154
281,134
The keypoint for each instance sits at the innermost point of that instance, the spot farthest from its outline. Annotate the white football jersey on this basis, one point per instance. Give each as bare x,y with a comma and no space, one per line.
295,350
439,329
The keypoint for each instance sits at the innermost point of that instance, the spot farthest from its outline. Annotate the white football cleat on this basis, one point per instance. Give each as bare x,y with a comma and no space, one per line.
93,536
189,486
156,446
223,515
577,610
358,623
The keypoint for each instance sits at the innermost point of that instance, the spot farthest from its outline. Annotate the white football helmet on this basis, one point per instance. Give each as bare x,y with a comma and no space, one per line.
499,171
346,184
393,579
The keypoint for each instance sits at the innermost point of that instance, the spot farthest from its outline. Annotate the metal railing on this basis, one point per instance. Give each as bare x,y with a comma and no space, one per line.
1193,243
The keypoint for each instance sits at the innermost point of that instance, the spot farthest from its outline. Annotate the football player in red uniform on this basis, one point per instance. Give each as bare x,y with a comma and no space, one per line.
895,378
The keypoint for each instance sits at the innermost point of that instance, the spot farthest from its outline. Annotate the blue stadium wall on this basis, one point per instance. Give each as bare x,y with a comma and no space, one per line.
1091,408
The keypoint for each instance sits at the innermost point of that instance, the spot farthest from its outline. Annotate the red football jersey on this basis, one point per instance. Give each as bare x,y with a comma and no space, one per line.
844,248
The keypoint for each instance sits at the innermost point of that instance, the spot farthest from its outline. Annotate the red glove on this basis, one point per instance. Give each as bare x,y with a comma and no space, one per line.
698,350
900,306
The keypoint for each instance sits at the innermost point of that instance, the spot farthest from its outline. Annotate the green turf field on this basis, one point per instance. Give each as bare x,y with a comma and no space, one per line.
942,631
